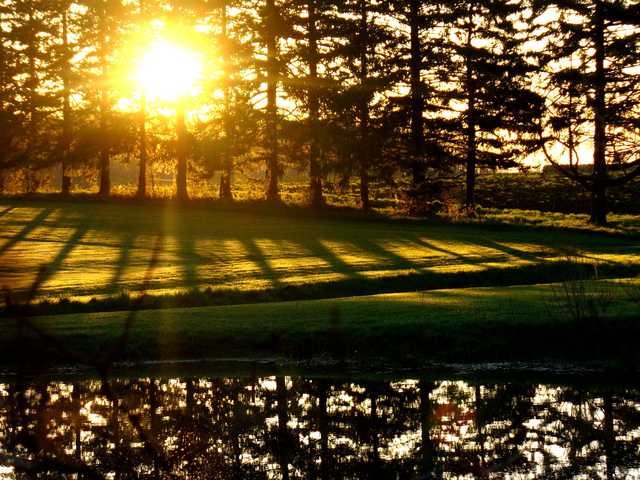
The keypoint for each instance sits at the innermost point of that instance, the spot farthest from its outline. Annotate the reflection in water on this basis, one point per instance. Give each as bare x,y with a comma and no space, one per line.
295,427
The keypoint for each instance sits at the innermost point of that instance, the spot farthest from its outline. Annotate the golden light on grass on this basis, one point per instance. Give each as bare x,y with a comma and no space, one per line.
168,71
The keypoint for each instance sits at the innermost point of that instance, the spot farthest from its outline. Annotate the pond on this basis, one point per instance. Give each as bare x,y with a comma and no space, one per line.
312,427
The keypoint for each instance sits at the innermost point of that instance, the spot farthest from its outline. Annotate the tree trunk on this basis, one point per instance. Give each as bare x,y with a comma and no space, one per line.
272,111
599,203
142,139
364,108
105,174
66,106
32,86
181,152
32,83
471,122
315,171
417,99
3,146
227,161
142,171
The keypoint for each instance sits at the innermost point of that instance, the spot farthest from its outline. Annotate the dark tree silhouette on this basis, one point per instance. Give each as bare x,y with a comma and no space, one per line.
593,92
488,74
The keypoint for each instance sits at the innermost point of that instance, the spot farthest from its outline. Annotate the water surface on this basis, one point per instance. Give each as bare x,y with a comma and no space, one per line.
316,428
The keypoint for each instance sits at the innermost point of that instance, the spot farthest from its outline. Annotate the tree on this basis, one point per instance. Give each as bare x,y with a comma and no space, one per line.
11,119
315,29
32,35
143,150
66,97
227,167
65,78
593,90
486,83
360,107
423,134
101,26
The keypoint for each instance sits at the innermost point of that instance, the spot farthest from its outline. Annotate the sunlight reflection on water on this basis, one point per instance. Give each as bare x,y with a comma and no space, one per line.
306,427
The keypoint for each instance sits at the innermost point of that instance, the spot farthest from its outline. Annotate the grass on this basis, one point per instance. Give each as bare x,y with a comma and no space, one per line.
102,250
623,224
476,324
354,284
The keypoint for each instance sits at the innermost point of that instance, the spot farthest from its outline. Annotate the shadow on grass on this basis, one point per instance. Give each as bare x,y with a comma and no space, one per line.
28,228
256,255
507,250
356,286
318,249
126,245
6,211
368,241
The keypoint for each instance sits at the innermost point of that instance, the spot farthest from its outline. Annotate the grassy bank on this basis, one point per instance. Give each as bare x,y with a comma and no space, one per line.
266,280
576,321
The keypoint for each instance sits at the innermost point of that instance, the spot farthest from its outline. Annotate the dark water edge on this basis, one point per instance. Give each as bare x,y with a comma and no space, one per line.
238,420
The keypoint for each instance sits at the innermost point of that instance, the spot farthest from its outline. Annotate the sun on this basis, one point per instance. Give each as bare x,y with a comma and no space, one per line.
168,71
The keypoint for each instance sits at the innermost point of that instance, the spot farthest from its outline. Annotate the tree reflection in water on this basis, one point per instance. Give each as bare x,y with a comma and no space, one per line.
315,428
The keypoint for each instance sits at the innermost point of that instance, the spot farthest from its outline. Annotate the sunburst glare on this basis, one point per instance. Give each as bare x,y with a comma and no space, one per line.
168,71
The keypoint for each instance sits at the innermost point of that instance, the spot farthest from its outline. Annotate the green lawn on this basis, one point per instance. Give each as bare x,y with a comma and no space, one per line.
508,323
102,249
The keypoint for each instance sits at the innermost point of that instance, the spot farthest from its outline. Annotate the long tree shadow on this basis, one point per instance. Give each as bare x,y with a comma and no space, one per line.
55,265
318,249
462,259
6,210
379,251
510,251
255,254
28,228
126,245
189,259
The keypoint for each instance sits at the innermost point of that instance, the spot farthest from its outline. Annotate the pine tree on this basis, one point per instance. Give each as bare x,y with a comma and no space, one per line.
487,83
64,76
235,55
590,49
270,23
365,74
32,34
101,27
315,31
11,118
227,161
421,132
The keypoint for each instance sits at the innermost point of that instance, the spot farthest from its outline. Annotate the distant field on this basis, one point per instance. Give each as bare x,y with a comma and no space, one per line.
103,249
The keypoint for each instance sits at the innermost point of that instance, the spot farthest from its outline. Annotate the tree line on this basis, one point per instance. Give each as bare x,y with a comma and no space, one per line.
362,89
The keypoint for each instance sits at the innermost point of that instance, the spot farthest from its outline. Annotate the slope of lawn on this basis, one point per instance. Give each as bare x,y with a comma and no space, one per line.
92,249
577,321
